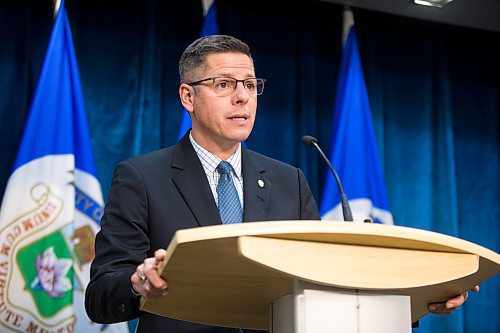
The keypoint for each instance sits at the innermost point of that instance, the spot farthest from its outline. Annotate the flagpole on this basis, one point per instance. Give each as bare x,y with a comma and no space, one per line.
76,265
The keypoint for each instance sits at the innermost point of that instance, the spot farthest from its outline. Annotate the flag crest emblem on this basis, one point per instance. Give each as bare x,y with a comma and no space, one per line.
46,266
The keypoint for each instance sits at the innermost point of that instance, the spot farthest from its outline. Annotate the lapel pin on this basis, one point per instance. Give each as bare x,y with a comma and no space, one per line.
260,182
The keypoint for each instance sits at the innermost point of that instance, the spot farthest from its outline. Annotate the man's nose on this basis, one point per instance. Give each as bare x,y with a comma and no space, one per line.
241,95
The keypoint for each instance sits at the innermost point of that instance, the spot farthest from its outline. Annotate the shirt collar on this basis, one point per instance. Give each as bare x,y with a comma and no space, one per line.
211,161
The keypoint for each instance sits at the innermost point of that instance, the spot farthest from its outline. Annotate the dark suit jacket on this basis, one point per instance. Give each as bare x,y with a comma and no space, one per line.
154,195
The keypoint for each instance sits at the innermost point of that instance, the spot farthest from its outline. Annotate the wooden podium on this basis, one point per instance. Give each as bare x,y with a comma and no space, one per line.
232,275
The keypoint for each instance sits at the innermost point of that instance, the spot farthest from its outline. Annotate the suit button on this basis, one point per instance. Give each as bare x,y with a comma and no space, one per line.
121,307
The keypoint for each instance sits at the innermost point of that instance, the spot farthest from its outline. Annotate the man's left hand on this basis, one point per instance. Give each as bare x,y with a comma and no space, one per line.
450,305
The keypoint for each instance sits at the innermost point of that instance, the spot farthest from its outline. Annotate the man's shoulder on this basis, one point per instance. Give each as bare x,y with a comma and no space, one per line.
154,158
268,162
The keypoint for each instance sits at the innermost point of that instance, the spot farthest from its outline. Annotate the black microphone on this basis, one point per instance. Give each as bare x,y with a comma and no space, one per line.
310,142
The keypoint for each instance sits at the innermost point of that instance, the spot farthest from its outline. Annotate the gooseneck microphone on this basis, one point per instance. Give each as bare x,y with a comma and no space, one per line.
310,142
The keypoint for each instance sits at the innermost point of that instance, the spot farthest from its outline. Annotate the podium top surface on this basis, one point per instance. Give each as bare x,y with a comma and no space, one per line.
228,275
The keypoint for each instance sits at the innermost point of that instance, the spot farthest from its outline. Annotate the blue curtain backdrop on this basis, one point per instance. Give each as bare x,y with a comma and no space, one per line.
434,92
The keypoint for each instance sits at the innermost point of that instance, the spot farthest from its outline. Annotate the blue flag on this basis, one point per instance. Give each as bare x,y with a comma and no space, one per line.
52,204
210,27
353,149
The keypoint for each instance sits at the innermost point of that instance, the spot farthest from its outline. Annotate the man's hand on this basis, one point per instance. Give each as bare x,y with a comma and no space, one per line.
450,305
146,280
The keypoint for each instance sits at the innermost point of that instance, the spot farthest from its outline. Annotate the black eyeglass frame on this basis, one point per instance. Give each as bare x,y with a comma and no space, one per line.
259,80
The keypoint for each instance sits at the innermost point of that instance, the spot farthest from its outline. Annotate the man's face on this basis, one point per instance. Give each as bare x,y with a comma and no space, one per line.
222,121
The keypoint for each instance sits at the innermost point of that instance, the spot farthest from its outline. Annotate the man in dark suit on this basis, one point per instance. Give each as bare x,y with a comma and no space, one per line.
154,195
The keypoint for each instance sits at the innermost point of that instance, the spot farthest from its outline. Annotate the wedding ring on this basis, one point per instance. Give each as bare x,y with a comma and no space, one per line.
143,278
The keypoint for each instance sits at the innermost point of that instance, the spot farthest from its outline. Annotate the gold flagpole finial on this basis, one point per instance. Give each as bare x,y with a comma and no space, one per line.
348,22
57,4
206,6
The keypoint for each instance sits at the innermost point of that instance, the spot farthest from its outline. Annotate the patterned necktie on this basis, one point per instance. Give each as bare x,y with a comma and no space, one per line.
229,202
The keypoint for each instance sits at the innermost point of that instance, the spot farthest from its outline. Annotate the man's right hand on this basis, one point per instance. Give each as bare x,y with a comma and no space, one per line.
146,280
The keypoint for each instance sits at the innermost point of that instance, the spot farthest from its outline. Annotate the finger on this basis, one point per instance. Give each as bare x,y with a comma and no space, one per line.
138,281
440,309
146,288
139,273
457,301
436,307
142,279
160,254
475,289
153,277
443,312
150,291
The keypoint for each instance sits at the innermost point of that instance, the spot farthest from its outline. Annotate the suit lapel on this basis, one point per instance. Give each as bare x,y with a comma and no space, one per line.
256,188
191,182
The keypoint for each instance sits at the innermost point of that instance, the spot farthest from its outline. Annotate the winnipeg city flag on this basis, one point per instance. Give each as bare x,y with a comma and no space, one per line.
52,205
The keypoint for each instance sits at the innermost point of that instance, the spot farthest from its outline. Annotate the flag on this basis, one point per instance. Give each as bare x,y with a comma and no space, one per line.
353,148
52,205
210,27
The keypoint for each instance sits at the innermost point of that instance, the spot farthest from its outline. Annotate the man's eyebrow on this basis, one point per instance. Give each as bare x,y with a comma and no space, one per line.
231,75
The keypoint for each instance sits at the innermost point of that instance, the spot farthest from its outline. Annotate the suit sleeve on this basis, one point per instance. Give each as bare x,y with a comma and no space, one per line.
308,207
121,245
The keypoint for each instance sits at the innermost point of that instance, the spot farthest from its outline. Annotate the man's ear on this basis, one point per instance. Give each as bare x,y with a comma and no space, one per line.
186,94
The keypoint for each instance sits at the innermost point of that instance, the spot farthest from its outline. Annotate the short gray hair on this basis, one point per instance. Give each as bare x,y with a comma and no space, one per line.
193,58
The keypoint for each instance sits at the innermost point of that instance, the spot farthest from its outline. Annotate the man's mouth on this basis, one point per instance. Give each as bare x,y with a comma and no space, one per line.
239,117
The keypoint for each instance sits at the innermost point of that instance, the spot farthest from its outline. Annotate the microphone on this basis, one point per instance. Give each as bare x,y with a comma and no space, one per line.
310,142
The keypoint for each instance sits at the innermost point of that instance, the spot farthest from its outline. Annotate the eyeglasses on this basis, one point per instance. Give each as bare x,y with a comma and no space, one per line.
224,86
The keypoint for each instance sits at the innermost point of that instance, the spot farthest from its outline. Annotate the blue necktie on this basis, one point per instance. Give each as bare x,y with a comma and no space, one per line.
229,202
